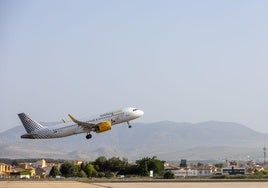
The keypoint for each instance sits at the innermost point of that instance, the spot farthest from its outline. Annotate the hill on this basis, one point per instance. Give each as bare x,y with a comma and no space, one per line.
168,140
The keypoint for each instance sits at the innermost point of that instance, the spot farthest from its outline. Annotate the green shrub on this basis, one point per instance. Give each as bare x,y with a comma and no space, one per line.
169,175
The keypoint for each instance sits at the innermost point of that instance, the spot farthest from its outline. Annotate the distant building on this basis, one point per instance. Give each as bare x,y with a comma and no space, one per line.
257,168
77,162
51,164
43,172
183,163
40,172
23,165
192,172
40,163
5,170
233,170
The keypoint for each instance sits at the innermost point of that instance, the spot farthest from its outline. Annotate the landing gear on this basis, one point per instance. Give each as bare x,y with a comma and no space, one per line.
88,136
129,126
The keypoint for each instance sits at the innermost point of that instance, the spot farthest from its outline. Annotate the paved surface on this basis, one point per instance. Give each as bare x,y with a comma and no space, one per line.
45,184
73,184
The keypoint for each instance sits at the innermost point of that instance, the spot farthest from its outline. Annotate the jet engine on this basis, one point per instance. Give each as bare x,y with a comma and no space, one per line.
103,126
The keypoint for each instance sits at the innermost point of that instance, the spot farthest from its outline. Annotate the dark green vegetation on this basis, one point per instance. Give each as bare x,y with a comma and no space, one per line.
103,167
54,172
116,167
169,175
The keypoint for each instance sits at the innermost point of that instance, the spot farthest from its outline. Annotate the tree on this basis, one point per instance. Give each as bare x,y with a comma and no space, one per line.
91,171
82,174
67,169
147,164
143,167
200,164
219,165
76,170
130,170
15,163
156,165
101,164
114,164
54,172
169,175
83,166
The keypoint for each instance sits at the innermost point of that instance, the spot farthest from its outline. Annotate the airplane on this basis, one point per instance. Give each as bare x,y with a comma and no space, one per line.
98,124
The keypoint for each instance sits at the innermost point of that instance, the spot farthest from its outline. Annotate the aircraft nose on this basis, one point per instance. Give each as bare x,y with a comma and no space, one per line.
140,112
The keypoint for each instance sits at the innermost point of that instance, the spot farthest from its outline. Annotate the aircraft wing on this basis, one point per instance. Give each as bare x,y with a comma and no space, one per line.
98,127
83,124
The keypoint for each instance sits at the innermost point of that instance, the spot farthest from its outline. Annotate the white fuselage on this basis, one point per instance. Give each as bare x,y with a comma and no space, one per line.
70,128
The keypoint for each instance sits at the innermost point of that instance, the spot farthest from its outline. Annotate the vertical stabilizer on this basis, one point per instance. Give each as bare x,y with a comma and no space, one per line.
29,124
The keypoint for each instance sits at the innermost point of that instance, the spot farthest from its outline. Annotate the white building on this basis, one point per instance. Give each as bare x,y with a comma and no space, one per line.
191,172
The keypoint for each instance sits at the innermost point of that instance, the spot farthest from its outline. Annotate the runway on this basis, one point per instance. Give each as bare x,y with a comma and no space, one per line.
74,184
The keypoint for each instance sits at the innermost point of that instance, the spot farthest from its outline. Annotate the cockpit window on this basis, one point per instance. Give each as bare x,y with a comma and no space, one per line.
135,109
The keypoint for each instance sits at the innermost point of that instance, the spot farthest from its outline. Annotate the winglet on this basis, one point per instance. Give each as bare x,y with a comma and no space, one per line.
72,118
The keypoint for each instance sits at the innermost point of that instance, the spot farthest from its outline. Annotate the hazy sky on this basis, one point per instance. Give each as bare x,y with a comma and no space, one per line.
183,61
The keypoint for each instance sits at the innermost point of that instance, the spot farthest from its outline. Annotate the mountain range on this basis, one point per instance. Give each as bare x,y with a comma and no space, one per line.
167,140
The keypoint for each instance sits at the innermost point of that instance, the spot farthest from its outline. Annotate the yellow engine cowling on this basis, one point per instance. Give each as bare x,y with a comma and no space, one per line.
104,126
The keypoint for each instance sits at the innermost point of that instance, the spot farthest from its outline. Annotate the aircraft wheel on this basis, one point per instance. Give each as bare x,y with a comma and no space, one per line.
129,126
88,136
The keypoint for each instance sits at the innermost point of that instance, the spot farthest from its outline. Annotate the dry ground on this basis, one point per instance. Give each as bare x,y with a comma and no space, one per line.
73,184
